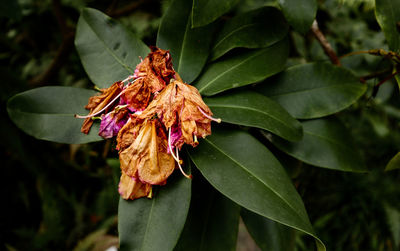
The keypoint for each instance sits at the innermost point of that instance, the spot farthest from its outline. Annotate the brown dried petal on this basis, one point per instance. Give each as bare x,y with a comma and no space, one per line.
147,157
96,103
137,95
131,188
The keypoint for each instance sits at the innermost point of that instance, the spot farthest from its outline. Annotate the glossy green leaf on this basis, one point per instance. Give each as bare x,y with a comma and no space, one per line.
243,69
254,29
299,13
189,47
108,51
326,143
212,223
387,14
394,163
314,90
253,109
48,113
268,235
244,170
155,224
206,11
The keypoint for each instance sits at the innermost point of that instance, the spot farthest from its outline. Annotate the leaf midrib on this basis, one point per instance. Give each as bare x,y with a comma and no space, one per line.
261,181
108,49
312,89
329,140
232,68
148,223
183,45
252,109
232,32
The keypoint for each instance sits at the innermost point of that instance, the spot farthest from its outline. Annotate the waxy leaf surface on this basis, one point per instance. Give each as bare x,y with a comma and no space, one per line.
48,113
253,109
387,14
313,90
326,143
299,13
243,69
255,29
206,11
155,224
244,170
189,46
108,51
213,220
268,235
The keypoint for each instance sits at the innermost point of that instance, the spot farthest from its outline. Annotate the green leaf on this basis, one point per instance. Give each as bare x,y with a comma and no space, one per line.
245,171
155,224
254,29
189,47
213,220
387,14
314,90
206,11
108,51
393,220
299,13
243,69
326,143
394,163
48,113
253,109
269,235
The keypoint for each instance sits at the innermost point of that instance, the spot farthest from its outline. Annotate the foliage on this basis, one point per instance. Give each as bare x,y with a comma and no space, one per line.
300,156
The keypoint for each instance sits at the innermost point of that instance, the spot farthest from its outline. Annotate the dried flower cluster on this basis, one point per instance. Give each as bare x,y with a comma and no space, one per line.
152,113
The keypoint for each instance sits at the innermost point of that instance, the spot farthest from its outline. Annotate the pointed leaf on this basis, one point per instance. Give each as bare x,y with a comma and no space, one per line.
48,113
205,11
314,90
108,51
394,163
189,47
254,29
155,224
299,13
326,143
387,14
243,69
212,223
253,109
269,235
244,170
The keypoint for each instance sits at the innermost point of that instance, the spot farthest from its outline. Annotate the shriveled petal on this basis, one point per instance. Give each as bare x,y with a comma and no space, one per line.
96,103
112,122
136,96
131,188
147,157
128,133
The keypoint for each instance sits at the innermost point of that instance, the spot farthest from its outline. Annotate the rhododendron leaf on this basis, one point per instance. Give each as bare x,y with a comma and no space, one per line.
243,69
299,13
394,163
253,109
205,11
326,143
254,29
268,235
213,220
155,224
108,51
387,14
313,90
48,113
244,170
189,46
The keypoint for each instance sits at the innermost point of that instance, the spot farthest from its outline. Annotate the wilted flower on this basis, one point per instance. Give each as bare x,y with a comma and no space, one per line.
153,115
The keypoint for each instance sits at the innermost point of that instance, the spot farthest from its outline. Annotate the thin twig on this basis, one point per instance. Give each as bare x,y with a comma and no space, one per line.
324,43
375,74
